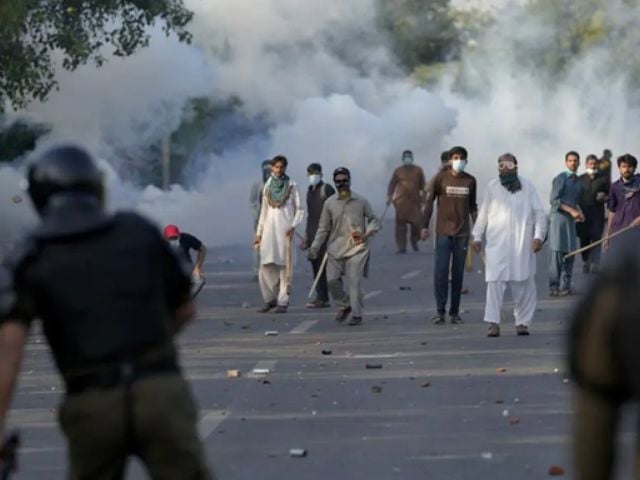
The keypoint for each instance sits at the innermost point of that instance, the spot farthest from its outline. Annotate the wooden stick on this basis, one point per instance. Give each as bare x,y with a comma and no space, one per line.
320,271
595,244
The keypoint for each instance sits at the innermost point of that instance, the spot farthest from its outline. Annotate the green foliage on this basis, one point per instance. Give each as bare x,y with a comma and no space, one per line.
421,32
81,31
18,139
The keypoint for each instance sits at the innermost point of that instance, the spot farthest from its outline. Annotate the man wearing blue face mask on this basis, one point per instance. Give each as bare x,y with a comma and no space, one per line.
406,192
455,192
316,196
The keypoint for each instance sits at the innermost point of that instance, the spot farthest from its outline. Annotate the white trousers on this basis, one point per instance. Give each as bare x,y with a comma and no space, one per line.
273,284
525,297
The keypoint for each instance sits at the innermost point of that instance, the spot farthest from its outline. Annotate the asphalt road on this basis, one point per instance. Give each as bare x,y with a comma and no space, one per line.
448,403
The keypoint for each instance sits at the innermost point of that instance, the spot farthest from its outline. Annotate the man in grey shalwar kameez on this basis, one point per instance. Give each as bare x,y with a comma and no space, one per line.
565,212
347,221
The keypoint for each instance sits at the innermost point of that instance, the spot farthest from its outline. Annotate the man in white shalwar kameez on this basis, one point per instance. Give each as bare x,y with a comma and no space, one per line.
513,223
280,213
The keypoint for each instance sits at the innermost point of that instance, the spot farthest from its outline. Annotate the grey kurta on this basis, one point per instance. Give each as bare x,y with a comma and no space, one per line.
339,219
566,190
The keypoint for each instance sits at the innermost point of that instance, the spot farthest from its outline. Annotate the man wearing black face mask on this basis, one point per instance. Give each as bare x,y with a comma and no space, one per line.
346,223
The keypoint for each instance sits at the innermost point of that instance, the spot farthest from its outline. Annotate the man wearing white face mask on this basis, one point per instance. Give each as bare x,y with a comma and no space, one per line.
316,196
455,192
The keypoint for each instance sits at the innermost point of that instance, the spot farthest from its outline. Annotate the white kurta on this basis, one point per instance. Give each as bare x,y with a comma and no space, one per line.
508,222
274,223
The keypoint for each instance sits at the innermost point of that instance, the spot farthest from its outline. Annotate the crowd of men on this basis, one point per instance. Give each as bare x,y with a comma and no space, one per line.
506,231
112,292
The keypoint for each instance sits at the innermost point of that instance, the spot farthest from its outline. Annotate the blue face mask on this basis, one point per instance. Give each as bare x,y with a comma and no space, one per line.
458,165
407,160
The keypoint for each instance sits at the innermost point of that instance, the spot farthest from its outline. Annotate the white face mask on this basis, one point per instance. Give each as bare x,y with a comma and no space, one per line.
592,171
174,243
314,180
458,165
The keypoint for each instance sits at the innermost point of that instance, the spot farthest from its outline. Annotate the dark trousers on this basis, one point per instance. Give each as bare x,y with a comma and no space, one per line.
159,427
591,232
449,250
322,291
560,271
402,228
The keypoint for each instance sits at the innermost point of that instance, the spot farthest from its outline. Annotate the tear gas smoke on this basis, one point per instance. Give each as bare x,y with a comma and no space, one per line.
319,84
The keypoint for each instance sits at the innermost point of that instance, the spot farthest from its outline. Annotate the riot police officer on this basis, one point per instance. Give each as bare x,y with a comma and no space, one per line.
111,296
604,362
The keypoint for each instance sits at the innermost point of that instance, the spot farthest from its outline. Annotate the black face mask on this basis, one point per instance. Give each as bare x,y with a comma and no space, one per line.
343,185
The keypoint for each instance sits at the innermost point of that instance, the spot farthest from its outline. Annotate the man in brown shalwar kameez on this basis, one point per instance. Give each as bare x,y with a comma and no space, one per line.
406,191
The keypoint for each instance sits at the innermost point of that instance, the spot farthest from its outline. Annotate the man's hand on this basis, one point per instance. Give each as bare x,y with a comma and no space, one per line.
601,197
312,254
256,241
636,222
477,247
537,245
357,237
198,271
605,245
304,244
424,234
389,199
290,232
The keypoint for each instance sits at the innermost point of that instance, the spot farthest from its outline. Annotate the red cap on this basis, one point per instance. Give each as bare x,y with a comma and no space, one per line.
171,231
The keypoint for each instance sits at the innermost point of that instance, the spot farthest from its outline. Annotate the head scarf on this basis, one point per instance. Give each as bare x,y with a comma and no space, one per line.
278,190
509,178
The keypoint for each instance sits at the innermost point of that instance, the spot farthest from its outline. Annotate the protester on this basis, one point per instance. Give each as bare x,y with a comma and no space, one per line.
455,192
595,192
183,243
624,199
317,195
280,214
407,191
513,223
346,224
565,213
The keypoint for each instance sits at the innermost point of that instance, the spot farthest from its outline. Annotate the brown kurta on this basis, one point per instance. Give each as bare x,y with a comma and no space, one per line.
406,187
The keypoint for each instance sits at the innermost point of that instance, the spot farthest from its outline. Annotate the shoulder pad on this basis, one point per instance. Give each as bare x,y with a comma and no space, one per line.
23,250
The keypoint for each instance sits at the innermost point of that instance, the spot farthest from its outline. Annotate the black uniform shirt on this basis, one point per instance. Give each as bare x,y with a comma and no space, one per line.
104,295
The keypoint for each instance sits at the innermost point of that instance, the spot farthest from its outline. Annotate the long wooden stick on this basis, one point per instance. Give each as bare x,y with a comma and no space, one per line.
320,271
595,244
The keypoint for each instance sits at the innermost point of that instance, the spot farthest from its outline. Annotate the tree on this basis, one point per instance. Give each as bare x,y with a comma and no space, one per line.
421,32
81,31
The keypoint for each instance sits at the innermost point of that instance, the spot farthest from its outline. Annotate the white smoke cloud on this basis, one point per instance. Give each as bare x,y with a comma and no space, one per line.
319,76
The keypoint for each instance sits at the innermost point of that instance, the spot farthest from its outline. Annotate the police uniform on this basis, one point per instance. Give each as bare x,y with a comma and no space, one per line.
604,359
106,289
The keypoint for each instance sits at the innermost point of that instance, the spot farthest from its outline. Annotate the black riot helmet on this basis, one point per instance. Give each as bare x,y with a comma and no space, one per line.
65,169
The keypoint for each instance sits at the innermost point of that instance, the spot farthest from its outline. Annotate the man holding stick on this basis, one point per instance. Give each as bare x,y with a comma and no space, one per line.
281,212
624,200
595,192
513,222
346,223
565,213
